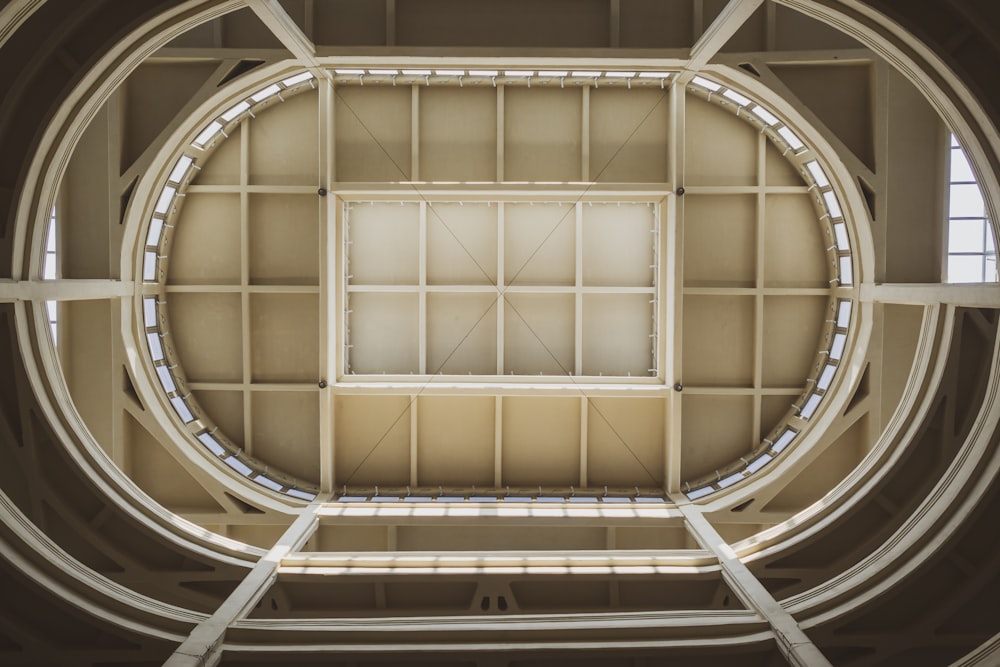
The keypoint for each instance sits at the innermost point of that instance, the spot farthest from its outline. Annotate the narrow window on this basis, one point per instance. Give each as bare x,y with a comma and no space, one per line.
972,254
49,272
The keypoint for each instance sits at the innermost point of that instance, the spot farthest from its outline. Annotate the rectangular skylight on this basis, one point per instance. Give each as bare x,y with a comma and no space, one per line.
163,203
832,205
417,72
705,83
384,72
516,72
700,493
764,115
155,230
729,480
826,377
837,348
299,78
149,266
620,75
840,231
759,463
180,169
268,482
155,346
843,314
483,72
654,75
586,73
213,445
149,311
238,466
450,72
558,73
302,495
809,408
166,379
51,309
817,173
736,97
207,134
182,409
235,111
355,72
846,270
784,440
262,95
791,138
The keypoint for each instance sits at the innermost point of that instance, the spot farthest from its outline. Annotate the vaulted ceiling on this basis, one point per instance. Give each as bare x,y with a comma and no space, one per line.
494,333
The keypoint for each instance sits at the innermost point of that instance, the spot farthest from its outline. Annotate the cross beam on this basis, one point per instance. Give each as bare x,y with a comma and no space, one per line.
793,643
203,647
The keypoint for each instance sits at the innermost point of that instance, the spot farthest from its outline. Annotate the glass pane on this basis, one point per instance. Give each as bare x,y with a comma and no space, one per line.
961,170
966,202
965,268
966,235
991,269
783,440
844,314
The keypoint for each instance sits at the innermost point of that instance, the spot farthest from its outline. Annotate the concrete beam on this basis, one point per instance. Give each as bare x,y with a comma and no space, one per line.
63,290
203,647
793,642
969,295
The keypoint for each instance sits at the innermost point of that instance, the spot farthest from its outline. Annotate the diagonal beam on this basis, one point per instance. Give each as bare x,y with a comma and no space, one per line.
277,20
793,643
203,647
725,25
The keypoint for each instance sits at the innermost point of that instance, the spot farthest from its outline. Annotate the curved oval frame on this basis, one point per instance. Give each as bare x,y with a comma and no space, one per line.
921,66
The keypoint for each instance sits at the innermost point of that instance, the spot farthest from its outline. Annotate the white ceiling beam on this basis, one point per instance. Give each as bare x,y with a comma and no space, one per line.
792,641
203,647
63,290
718,33
277,20
968,295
